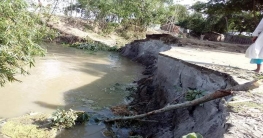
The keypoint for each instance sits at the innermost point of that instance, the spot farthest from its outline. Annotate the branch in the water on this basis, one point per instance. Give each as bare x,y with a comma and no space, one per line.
212,96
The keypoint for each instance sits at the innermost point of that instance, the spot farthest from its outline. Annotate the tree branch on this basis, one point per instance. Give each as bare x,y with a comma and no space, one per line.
212,96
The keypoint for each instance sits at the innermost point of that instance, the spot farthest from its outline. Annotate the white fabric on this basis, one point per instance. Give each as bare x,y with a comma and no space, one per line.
256,49
259,28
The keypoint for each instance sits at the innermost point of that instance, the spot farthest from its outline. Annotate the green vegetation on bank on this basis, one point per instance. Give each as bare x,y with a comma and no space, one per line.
39,125
224,16
213,16
120,16
193,135
62,119
21,31
94,46
194,94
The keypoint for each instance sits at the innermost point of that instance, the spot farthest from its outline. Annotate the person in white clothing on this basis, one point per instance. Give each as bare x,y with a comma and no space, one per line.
257,59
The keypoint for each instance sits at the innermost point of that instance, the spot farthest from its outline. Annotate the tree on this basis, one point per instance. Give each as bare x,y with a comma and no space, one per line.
200,21
20,32
174,13
141,13
222,15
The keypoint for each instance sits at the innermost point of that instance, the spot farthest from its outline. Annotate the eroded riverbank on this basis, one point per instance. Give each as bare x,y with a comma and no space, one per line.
169,80
172,78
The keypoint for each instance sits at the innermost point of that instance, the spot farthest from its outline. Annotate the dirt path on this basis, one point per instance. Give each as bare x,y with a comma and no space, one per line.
81,34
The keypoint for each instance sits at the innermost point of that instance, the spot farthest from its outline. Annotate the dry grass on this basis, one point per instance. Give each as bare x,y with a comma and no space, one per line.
29,126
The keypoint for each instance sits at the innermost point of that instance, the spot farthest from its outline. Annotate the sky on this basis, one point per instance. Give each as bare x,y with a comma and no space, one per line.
64,3
188,2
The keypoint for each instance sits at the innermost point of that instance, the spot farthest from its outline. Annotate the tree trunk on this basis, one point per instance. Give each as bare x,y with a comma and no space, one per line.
53,10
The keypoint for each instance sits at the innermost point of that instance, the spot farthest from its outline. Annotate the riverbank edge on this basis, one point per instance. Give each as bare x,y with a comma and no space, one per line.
169,79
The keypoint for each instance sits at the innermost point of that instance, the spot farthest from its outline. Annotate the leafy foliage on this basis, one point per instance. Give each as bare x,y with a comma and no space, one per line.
110,27
193,135
194,94
222,16
242,15
94,46
82,118
20,32
138,13
64,119
237,6
196,22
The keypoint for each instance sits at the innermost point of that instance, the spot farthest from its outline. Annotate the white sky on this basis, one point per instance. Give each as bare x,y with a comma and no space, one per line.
188,2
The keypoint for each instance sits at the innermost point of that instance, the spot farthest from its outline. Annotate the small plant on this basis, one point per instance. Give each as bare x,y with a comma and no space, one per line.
193,135
64,119
194,94
88,27
82,118
258,76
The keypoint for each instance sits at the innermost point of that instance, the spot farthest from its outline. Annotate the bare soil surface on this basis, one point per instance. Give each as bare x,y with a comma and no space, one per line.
76,29
87,29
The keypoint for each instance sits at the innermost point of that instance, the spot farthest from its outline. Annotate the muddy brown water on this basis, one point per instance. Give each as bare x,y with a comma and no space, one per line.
70,78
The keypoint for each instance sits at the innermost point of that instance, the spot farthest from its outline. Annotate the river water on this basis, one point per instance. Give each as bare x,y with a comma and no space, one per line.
69,78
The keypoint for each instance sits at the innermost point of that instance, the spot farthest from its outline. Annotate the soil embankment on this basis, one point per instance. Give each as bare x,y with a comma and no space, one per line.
169,81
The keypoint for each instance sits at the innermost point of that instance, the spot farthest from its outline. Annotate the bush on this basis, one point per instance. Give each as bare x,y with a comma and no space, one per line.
21,31
64,119
110,27
82,118
193,135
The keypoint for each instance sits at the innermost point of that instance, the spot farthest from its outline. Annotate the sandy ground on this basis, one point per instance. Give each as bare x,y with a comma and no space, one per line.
228,62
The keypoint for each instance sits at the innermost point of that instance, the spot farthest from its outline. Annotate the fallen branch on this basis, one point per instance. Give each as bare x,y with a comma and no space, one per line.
212,96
